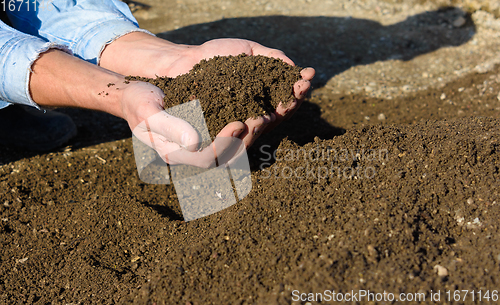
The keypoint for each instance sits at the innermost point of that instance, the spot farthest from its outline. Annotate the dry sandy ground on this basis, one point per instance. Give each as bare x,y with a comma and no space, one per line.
407,102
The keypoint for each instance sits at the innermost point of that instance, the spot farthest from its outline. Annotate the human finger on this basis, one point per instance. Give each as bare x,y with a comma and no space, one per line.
255,127
258,49
163,128
208,156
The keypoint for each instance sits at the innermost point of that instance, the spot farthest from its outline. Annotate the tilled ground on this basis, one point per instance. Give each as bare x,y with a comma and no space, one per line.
370,192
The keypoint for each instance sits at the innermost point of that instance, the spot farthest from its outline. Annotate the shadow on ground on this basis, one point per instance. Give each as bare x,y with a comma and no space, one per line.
334,44
329,44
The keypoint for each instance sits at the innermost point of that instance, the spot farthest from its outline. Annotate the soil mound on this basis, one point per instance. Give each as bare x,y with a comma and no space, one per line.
231,88
376,209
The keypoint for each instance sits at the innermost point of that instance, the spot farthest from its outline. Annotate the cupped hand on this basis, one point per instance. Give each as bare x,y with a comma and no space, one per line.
224,47
174,139
145,55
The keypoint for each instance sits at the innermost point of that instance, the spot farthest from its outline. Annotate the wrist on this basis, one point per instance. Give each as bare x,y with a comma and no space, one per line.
141,54
61,80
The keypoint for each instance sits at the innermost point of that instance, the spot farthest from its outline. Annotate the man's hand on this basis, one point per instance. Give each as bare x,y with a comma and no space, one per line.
174,139
145,55
62,80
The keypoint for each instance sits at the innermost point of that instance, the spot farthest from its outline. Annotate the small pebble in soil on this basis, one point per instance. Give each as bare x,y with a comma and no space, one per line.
381,117
459,22
440,270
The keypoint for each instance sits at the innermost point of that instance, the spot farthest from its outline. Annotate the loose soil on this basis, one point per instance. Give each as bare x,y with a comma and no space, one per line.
402,200
231,88
397,195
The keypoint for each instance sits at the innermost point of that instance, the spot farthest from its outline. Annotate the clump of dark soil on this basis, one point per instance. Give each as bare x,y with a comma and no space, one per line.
231,88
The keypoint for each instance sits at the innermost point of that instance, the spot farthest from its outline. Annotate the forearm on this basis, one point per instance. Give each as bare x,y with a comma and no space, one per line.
59,79
145,55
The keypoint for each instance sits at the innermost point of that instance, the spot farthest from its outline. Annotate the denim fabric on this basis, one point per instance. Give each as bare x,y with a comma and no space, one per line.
17,52
84,27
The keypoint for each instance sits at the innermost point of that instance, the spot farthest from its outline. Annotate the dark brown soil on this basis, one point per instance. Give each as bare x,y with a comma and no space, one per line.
231,88
397,201
379,213
407,203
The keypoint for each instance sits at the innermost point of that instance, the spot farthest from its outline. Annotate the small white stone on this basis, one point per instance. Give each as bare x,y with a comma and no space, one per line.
459,22
22,260
381,117
440,270
443,96
474,224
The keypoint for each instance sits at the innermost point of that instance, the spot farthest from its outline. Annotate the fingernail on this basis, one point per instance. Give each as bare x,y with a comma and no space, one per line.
236,133
267,118
185,140
257,129
291,106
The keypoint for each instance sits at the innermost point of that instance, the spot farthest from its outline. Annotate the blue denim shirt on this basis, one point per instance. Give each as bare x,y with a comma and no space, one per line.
80,27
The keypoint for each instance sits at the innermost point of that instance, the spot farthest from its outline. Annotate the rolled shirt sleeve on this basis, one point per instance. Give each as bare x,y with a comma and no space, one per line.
17,54
80,27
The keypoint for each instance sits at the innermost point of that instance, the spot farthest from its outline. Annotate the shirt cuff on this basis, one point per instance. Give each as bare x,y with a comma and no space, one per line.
4,104
17,55
91,45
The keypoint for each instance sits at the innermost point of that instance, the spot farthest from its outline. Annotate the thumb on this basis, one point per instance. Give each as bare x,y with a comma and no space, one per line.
168,128
143,109
166,133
